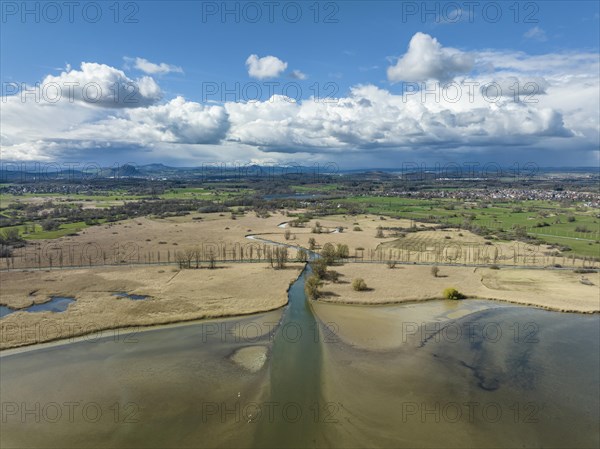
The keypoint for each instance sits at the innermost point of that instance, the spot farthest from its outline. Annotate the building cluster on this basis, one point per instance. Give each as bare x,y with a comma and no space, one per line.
38,189
588,199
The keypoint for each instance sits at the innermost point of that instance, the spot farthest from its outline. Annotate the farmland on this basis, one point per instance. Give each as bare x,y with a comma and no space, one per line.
577,227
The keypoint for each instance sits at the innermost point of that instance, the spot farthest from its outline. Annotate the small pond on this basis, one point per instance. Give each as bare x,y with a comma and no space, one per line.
56,304
130,296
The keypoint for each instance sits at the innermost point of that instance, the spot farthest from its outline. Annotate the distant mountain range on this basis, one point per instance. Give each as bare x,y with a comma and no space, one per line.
36,171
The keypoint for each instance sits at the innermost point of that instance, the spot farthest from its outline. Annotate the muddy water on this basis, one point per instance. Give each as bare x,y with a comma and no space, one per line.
462,374
295,389
436,374
179,386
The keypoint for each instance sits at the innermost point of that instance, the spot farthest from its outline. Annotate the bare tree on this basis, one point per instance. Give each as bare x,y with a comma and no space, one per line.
212,260
197,252
281,257
302,255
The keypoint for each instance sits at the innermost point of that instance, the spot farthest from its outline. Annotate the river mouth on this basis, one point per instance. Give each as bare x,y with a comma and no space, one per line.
434,374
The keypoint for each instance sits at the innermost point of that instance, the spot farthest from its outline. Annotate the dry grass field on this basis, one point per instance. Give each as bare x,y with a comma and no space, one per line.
559,290
139,257
147,240
174,295
451,246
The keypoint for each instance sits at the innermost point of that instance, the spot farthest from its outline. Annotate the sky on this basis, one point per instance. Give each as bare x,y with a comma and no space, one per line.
358,84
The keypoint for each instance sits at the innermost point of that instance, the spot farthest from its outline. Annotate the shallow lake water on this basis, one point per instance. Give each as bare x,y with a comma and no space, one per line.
56,304
490,376
5,311
435,374
130,296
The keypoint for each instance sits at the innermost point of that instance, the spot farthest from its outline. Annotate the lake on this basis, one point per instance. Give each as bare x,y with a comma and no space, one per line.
435,374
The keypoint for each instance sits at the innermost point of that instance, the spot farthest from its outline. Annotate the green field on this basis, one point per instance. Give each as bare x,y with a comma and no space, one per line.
200,193
546,220
39,233
197,193
7,199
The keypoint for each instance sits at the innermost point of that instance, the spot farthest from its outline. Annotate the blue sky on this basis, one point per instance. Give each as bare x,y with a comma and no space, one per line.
355,60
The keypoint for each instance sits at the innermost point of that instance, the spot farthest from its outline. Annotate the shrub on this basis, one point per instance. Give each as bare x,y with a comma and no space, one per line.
319,268
435,271
333,276
342,251
50,225
452,293
328,253
359,285
10,236
357,228
311,287
5,251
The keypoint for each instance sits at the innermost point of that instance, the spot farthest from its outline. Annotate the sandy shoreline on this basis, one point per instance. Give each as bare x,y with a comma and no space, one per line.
552,290
393,347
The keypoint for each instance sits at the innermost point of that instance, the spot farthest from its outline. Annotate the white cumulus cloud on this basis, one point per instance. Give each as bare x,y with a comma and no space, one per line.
426,59
100,85
560,115
371,117
179,121
265,67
